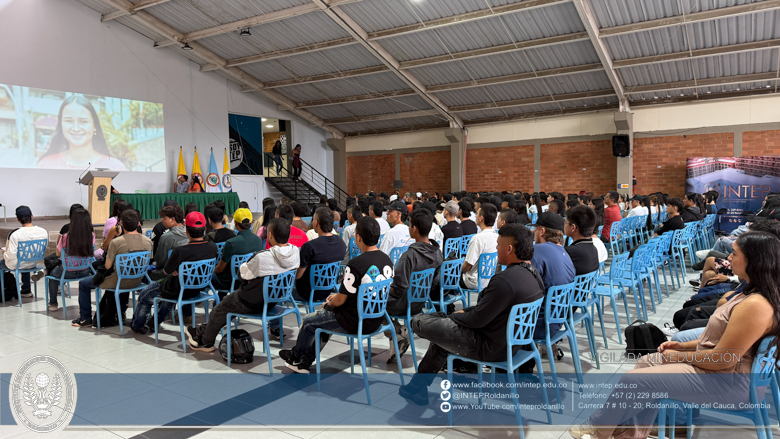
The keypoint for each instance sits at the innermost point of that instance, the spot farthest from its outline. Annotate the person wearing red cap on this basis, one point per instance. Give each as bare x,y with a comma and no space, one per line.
198,249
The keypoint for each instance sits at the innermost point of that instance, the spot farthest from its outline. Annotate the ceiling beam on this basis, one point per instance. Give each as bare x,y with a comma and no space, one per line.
521,45
695,17
462,18
516,77
239,76
352,99
697,53
592,28
380,53
292,51
327,76
535,100
703,97
707,82
538,114
136,7
397,130
377,117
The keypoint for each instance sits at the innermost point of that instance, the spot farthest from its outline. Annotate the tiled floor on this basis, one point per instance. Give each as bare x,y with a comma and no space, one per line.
28,331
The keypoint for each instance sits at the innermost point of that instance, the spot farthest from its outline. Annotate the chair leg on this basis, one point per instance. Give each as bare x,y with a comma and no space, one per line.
551,358
662,420
517,404
411,344
181,329
230,339
592,340
575,357
317,334
369,350
118,312
450,378
45,292
267,346
97,303
64,304
538,360
617,320
365,371
156,321
395,344
351,355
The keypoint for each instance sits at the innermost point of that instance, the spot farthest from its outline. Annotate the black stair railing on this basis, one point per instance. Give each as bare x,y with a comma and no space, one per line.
310,180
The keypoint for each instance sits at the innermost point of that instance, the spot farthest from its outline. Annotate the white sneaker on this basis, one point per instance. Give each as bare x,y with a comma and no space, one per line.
702,254
669,330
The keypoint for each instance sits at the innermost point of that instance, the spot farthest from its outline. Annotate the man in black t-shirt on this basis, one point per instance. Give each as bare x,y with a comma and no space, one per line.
452,229
468,226
198,249
219,232
340,311
479,332
578,225
325,249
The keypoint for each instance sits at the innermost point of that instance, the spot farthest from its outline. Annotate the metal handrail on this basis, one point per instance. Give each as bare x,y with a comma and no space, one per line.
309,175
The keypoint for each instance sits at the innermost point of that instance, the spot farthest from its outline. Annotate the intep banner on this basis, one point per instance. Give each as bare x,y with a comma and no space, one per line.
742,182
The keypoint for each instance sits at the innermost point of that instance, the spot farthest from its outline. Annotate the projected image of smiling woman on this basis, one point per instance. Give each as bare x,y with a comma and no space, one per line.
78,141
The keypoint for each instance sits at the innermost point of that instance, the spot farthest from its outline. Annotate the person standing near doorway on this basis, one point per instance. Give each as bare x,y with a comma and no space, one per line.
296,162
277,152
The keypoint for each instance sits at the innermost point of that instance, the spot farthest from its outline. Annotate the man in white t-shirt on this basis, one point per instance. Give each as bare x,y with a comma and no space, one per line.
636,207
375,211
398,236
483,242
28,232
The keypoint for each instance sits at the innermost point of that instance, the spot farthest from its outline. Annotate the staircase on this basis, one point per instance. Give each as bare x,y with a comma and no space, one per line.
307,188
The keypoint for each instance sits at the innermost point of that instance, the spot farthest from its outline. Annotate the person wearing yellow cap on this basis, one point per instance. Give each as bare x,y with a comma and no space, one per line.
245,242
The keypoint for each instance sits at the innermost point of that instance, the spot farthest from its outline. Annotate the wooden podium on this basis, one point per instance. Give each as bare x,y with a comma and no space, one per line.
99,183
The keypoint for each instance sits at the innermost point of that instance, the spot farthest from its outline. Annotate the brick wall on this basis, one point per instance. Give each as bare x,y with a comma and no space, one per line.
509,168
578,166
671,154
760,143
426,172
370,173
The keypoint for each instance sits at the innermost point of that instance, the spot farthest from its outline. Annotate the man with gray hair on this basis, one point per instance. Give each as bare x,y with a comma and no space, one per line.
452,229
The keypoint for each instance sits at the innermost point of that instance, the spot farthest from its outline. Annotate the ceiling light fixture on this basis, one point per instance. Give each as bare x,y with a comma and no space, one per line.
186,46
269,126
245,32
263,119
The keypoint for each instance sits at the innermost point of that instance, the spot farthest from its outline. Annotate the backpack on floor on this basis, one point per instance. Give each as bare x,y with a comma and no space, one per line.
107,307
242,347
643,338
10,286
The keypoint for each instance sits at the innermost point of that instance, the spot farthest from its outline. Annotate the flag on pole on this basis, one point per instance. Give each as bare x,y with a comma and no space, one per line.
181,171
227,183
196,170
212,179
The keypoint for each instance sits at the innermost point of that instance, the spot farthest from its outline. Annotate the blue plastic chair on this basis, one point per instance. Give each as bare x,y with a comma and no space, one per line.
613,285
395,253
519,332
679,244
615,243
149,234
637,274
322,277
372,304
584,298
419,291
235,271
662,256
557,304
761,375
128,266
277,289
601,227
69,264
449,280
354,250
26,251
307,220
220,247
486,268
192,276
452,245
465,240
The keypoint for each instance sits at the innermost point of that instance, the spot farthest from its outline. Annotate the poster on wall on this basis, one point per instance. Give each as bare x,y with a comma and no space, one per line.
742,182
48,129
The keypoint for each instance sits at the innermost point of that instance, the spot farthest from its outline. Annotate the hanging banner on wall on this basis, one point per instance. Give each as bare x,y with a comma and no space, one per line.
742,182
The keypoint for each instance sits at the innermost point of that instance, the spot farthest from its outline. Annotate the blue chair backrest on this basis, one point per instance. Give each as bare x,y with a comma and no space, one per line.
75,263
583,286
558,302
395,253
601,227
31,251
235,264
220,247
307,220
132,265
534,217
149,234
354,250
664,243
452,245
487,265
521,324
420,286
763,364
372,299
616,229
196,275
464,244
449,278
643,258
278,288
618,267
678,237
323,276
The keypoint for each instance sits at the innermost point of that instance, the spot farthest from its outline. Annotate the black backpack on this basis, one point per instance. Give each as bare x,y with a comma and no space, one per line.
242,347
643,338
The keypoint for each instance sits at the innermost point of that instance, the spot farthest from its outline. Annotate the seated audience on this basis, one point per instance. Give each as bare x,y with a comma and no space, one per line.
482,242
353,215
248,299
79,241
611,213
219,233
398,236
376,210
451,229
506,216
326,249
637,209
196,249
298,236
159,229
468,225
243,243
299,211
182,186
27,232
341,309
478,332
176,235
695,209
578,225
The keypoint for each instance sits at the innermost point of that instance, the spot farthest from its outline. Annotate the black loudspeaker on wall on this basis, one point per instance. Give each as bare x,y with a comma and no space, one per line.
621,146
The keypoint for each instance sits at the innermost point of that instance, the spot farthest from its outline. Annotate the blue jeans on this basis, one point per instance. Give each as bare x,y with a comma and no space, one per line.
304,348
710,290
278,160
25,276
689,335
146,302
724,246
85,298
54,285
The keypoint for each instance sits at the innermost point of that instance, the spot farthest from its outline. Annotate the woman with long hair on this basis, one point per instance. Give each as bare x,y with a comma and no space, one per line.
268,214
277,153
78,141
713,369
597,204
522,212
296,162
536,203
79,241
197,185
